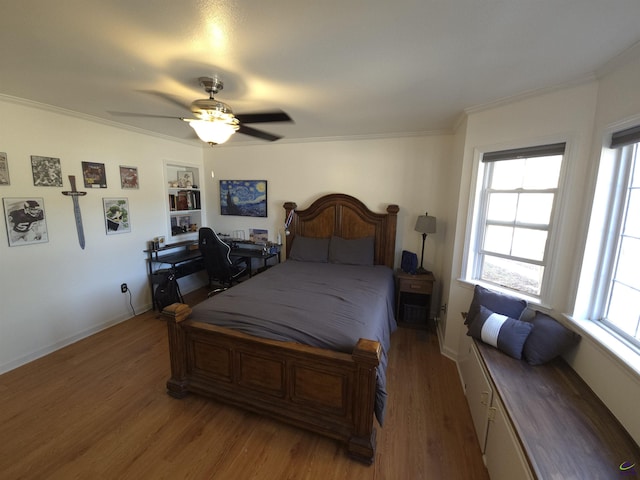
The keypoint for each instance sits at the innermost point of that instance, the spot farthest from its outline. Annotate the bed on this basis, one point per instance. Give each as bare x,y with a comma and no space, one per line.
228,349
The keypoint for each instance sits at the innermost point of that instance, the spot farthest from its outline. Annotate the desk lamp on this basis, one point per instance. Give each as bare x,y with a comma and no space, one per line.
425,224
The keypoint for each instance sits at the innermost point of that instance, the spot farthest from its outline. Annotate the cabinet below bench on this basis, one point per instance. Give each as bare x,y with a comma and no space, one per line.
559,427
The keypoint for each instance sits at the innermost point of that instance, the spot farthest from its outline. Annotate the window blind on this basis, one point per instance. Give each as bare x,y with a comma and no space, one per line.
625,137
526,152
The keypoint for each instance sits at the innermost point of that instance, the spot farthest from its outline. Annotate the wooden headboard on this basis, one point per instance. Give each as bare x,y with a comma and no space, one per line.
347,217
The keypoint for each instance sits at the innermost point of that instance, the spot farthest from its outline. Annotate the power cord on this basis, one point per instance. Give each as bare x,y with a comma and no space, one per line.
130,302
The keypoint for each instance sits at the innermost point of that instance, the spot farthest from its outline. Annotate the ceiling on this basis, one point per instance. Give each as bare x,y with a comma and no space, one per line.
338,68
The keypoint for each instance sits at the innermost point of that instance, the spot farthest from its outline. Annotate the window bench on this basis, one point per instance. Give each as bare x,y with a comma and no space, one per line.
559,426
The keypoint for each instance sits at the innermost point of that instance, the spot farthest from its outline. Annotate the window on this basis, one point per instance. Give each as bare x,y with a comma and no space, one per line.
513,218
620,288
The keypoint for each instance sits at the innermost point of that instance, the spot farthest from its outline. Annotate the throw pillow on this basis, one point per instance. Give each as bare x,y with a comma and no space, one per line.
502,332
548,339
496,302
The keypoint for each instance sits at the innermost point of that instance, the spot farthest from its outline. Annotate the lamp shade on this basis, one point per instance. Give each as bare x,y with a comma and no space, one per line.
426,224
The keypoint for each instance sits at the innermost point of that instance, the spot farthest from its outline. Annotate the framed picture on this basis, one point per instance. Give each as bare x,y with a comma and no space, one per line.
25,220
246,198
94,175
258,235
185,179
4,169
47,171
116,215
128,177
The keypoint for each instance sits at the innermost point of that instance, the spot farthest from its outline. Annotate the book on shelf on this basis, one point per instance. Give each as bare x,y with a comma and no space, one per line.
184,200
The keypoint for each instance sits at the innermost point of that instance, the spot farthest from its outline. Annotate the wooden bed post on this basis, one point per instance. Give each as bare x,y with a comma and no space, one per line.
362,444
175,314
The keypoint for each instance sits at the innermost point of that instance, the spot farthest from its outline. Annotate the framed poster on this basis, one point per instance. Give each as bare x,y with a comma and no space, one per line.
116,215
4,169
94,175
185,179
25,220
246,198
47,171
128,177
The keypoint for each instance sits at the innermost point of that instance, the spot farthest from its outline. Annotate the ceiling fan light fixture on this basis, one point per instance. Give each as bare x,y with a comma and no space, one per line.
216,131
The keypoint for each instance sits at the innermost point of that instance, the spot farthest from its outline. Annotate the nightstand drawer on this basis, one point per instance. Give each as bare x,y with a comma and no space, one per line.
415,285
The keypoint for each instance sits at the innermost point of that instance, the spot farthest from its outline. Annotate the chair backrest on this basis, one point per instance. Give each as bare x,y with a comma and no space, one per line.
215,254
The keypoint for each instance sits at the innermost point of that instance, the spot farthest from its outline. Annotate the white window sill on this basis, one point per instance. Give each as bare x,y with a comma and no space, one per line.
620,351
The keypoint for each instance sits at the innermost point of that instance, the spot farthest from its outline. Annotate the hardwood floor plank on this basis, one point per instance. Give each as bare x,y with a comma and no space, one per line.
99,409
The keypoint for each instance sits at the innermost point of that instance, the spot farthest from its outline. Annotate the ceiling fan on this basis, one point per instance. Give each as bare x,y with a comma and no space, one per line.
215,122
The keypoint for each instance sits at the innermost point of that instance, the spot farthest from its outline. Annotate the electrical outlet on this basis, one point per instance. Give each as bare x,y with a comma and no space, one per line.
124,288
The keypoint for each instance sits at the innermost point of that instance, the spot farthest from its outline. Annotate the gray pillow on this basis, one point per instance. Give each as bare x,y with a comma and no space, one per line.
496,302
548,339
506,334
358,251
308,249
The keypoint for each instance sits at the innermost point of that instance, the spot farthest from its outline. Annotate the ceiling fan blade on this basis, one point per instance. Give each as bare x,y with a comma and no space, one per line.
253,132
168,98
143,115
264,117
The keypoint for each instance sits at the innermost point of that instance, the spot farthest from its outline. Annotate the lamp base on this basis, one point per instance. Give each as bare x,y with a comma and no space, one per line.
422,271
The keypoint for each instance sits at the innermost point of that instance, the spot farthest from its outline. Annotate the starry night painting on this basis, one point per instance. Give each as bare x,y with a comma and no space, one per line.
246,198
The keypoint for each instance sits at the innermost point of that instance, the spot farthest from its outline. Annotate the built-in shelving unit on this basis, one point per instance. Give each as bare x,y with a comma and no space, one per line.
184,201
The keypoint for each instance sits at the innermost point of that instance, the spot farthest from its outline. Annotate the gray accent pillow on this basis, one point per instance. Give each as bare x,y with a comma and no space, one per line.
308,249
504,333
496,302
358,251
548,339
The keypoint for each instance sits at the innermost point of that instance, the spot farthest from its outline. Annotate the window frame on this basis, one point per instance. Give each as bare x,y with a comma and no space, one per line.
611,238
602,231
478,211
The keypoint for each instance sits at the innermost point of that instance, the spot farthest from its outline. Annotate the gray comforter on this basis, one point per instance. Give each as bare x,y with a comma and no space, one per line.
325,305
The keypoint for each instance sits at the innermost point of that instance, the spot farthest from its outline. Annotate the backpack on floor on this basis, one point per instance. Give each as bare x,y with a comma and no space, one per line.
168,291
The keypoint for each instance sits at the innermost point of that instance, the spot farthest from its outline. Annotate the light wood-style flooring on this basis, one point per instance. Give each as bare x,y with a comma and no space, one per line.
98,410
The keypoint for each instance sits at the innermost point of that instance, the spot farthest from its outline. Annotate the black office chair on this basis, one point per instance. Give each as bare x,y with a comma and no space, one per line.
217,262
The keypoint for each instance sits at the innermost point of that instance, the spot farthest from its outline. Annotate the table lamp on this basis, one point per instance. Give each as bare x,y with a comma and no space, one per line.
425,224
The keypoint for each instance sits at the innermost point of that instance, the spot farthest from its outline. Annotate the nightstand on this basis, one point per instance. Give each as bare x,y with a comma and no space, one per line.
413,298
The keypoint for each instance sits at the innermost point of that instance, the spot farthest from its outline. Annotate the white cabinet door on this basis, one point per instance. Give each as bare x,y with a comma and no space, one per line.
503,455
479,394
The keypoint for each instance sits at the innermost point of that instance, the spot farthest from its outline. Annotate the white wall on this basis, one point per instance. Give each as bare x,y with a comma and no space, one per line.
579,115
406,171
565,115
54,293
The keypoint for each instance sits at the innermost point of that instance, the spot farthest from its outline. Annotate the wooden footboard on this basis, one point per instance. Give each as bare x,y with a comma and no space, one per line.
326,392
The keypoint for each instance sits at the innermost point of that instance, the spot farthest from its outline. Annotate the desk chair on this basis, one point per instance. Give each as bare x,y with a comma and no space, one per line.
217,262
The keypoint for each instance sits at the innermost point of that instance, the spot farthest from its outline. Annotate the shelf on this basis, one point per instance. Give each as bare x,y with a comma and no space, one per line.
184,204
184,212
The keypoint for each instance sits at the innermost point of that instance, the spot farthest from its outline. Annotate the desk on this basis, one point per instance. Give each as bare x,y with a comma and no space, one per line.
250,253
185,260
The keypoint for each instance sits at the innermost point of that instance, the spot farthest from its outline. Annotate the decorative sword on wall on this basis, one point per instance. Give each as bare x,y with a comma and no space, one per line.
74,194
